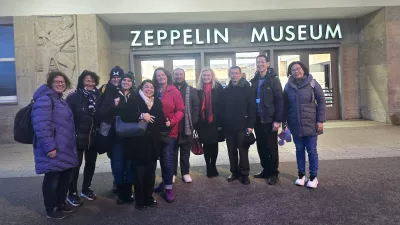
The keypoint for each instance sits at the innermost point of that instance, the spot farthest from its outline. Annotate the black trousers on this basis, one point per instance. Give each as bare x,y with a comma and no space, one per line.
88,172
144,183
210,154
238,166
267,146
184,158
55,188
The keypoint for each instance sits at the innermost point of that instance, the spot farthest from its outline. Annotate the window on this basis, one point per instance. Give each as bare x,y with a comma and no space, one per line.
148,68
247,62
8,90
189,66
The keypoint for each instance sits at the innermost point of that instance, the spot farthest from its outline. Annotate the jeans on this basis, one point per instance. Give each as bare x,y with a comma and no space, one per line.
309,143
166,161
90,166
267,146
122,168
55,188
234,141
144,184
184,159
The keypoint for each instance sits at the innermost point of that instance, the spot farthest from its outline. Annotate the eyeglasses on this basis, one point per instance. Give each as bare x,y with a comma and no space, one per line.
58,82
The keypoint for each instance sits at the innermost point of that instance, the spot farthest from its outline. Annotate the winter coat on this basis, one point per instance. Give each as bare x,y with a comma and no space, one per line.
54,129
173,108
208,133
237,107
146,148
84,122
107,111
194,109
301,111
271,98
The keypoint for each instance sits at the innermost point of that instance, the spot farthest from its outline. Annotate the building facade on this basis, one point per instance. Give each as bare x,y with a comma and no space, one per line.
354,59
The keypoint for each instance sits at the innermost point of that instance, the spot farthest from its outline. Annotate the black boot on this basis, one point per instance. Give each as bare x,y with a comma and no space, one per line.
128,193
121,194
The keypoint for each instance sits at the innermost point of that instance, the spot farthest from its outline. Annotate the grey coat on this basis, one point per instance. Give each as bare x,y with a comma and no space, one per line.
304,107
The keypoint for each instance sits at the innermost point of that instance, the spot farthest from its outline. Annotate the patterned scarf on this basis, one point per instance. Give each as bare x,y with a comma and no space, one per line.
206,105
92,99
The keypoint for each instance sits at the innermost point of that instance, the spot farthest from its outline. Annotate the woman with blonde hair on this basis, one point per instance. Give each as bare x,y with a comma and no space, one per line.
209,91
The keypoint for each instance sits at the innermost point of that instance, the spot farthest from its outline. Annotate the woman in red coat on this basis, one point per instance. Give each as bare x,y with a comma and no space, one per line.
173,108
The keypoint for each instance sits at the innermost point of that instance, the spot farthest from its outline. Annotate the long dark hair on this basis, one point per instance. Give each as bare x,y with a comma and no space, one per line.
55,73
167,73
82,77
303,67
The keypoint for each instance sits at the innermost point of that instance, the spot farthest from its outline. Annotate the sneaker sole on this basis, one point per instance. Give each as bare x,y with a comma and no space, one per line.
87,197
73,204
61,218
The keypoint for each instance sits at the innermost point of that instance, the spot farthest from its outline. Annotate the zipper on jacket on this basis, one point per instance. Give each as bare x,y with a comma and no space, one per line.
90,133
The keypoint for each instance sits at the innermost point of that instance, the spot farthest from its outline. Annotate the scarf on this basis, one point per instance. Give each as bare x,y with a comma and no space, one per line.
149,101
188,114
206,105
89,95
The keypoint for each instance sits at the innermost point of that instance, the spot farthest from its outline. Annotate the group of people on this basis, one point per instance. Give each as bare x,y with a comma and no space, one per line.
175,114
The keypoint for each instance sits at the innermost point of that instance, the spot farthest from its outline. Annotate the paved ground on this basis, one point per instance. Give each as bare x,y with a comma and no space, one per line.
341,140
355,191
359,184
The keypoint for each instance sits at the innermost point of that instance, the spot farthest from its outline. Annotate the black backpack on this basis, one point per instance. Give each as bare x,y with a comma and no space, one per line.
23,128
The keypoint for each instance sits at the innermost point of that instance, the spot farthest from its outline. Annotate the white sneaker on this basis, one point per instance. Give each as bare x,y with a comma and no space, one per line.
300,181
173,179
187,178
312,184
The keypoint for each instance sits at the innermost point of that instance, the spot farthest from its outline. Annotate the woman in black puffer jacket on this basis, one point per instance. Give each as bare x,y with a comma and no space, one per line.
82,103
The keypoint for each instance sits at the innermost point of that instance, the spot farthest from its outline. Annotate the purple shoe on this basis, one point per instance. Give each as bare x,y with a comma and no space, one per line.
169,195
288,135
160,188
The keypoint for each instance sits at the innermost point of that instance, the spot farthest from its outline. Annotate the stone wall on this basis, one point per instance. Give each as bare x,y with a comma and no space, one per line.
379,58
373,70
104,49
393,57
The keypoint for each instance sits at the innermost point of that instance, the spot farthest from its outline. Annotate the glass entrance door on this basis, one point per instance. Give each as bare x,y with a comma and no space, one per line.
322,65
144,66
220,64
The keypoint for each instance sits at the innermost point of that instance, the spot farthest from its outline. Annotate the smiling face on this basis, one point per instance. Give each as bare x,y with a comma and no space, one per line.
262,65
296,71
115,80
58,84
179,76
126,84
161,77
206,76
89,83
148,89
235,75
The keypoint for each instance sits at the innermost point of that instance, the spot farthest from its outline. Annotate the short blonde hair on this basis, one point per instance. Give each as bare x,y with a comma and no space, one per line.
200,83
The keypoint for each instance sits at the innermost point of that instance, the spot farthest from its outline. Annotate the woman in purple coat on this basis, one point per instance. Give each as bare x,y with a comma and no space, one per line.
54,143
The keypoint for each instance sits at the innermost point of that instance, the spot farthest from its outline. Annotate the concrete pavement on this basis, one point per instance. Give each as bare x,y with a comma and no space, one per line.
341,140
351,191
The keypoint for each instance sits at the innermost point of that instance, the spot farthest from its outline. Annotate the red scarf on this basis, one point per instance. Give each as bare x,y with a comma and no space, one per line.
206,105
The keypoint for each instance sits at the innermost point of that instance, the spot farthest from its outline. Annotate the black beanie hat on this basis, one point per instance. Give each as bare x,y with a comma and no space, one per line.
129,75
116,71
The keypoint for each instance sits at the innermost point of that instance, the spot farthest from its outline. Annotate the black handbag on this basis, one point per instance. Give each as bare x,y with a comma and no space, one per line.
102,140
130,129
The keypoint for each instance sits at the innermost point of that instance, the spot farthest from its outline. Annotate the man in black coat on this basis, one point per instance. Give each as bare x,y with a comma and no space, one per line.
191,117
269,100
237,118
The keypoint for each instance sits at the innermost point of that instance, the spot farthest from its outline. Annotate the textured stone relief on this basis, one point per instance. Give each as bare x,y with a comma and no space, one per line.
55,45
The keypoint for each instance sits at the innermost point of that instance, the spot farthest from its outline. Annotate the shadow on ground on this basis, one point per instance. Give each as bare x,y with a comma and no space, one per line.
365,191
